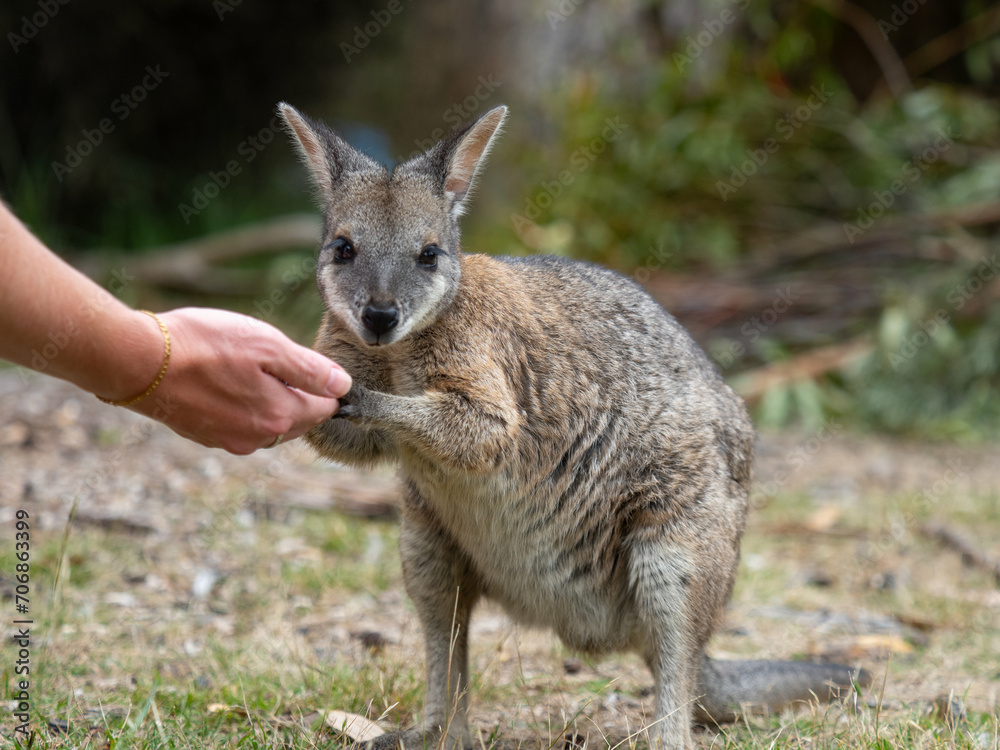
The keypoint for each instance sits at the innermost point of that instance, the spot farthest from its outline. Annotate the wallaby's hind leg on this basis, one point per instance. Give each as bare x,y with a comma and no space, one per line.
659,576
444,592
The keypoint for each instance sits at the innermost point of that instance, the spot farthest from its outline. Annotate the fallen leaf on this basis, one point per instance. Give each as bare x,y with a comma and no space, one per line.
875,641
876,646
218,708
822,519
358,728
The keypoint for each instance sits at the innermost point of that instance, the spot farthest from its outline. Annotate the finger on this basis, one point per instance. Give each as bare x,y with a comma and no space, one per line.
310,372
309,412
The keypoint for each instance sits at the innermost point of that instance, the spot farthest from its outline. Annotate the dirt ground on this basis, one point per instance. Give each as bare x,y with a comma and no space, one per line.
195,566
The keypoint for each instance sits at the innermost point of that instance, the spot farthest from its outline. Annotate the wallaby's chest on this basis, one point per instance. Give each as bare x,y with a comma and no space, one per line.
522,560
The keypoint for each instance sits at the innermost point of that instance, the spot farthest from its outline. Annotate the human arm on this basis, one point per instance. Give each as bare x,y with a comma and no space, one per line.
223,386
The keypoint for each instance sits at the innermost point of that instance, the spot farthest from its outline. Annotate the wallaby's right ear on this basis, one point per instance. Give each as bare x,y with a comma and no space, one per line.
454,162
326,154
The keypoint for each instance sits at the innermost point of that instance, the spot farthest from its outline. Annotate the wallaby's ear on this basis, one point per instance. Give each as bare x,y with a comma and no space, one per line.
326,154
455,161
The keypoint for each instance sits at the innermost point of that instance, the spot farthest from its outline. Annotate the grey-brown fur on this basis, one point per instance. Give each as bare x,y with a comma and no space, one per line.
566,448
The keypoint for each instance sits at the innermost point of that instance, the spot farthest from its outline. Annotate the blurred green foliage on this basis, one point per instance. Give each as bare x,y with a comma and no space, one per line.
729,165
936,370
709,172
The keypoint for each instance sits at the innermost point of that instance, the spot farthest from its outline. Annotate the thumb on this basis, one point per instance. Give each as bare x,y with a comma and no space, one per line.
313,373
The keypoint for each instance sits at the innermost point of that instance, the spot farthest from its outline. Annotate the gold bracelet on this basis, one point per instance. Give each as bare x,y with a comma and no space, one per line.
163,369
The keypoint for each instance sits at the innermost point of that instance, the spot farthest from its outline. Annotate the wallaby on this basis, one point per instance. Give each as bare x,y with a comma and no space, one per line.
566,448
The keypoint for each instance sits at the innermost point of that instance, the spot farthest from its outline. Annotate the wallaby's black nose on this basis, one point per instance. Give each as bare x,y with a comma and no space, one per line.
380,319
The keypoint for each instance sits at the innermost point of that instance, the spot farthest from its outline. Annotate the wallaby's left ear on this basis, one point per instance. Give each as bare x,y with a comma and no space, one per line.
455,161
326,154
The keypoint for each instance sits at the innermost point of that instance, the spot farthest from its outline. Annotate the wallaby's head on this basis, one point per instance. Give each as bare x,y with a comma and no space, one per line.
389,263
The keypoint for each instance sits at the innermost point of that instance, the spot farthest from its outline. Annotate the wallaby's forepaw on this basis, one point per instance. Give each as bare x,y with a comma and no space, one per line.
351,404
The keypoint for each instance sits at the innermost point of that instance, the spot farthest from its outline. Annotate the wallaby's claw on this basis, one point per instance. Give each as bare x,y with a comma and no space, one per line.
351,404
347,411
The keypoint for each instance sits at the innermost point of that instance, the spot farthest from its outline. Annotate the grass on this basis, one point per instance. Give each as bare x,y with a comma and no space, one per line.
126,654
153,672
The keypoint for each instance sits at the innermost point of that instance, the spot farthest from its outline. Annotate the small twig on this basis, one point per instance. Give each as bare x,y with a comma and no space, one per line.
864,24
194,265
953,42
811,364
113,523
800,529
233,244
348,493
57,578
971,555
831,238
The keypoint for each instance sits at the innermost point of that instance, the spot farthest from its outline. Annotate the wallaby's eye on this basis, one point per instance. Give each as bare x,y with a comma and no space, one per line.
429,257
343,250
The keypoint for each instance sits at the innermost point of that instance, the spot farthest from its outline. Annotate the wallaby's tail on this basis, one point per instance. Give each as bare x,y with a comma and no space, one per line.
728,688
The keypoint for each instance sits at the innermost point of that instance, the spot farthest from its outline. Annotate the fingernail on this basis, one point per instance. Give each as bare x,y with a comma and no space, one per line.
339,383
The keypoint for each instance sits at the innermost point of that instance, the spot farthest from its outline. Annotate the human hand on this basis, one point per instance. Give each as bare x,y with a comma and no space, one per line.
237,383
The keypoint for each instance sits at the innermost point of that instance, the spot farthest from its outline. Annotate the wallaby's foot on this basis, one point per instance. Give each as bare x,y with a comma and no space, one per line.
416,739
350,404
671,733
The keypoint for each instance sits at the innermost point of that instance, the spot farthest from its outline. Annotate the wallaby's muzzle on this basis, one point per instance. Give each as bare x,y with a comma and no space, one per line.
380,318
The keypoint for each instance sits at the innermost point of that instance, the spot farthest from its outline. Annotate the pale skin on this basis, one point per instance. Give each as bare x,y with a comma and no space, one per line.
233,382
